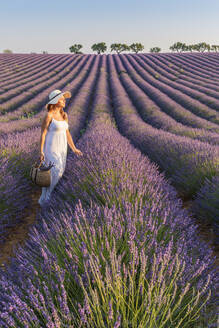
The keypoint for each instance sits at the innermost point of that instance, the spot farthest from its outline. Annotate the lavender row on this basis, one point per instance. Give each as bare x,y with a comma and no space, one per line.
38,75
206,204
183,77
16,159
6,60
186,74
186,162
75,255
25,146
214,57
188,103
177,75
202,63
209,62
188,66
17,71
152,114
209,58
188,88
165,103
24,123
81,101
197,66
76,107
32,63
10,60
22,99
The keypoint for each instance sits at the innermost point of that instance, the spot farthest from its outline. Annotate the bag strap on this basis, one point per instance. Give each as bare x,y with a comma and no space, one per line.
38,166
35,176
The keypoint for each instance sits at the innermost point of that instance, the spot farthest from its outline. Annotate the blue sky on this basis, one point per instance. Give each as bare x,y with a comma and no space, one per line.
37,25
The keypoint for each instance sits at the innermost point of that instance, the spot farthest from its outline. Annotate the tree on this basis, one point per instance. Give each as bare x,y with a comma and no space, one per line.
214,47
195,47
45,52
119,47
76,48
184,47
155,49
136,47
191,47
179,46
99,47
208,47
7,51
202,46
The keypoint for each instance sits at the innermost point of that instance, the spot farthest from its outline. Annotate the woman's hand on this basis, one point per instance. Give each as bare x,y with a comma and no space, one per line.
42,156
78,152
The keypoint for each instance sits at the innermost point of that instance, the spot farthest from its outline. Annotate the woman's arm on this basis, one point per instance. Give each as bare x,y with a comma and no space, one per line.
44,129
70,141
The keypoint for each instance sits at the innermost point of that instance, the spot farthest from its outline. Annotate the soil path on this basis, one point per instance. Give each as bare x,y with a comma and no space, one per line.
18,234
205,231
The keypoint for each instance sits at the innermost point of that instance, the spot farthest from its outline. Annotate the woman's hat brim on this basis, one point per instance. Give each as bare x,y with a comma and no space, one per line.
66,94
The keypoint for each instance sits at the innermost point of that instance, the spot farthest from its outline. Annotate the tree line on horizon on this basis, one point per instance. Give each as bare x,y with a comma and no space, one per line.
136,47
101,47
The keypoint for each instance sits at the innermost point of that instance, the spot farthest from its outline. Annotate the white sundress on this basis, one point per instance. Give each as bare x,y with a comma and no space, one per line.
55,150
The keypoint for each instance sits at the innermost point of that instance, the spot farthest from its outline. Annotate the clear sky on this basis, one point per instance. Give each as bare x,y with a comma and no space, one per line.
50,25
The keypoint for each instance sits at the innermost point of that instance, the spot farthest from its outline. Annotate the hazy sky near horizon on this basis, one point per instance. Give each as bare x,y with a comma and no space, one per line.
50,25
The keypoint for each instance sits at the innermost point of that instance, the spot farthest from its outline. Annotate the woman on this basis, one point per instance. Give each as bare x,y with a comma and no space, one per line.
54,140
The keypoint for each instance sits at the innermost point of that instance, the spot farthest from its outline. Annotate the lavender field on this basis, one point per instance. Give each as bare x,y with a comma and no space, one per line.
116,247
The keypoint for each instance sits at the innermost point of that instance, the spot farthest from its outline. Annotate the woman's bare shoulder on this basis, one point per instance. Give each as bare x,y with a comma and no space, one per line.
46,120
48,117
49,114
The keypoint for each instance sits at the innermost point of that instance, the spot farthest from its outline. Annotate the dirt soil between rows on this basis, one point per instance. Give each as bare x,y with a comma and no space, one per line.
19,234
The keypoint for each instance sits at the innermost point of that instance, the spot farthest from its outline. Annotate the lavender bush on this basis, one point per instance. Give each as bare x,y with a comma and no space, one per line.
188,163
158,65
97,249
28,78
25,100
114,247
74,86
23,146
188,98
171,107
206,204
113,242
153,115
192,69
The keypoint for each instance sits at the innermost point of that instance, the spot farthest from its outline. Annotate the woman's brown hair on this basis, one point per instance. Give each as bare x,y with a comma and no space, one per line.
50,108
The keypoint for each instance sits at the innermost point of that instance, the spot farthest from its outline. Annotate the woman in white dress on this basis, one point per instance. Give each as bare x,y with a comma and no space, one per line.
54,140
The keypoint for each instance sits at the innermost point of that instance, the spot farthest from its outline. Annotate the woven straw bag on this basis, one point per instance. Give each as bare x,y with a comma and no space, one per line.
40,176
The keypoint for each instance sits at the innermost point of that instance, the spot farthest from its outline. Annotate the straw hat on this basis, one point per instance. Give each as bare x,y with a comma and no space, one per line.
55,95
